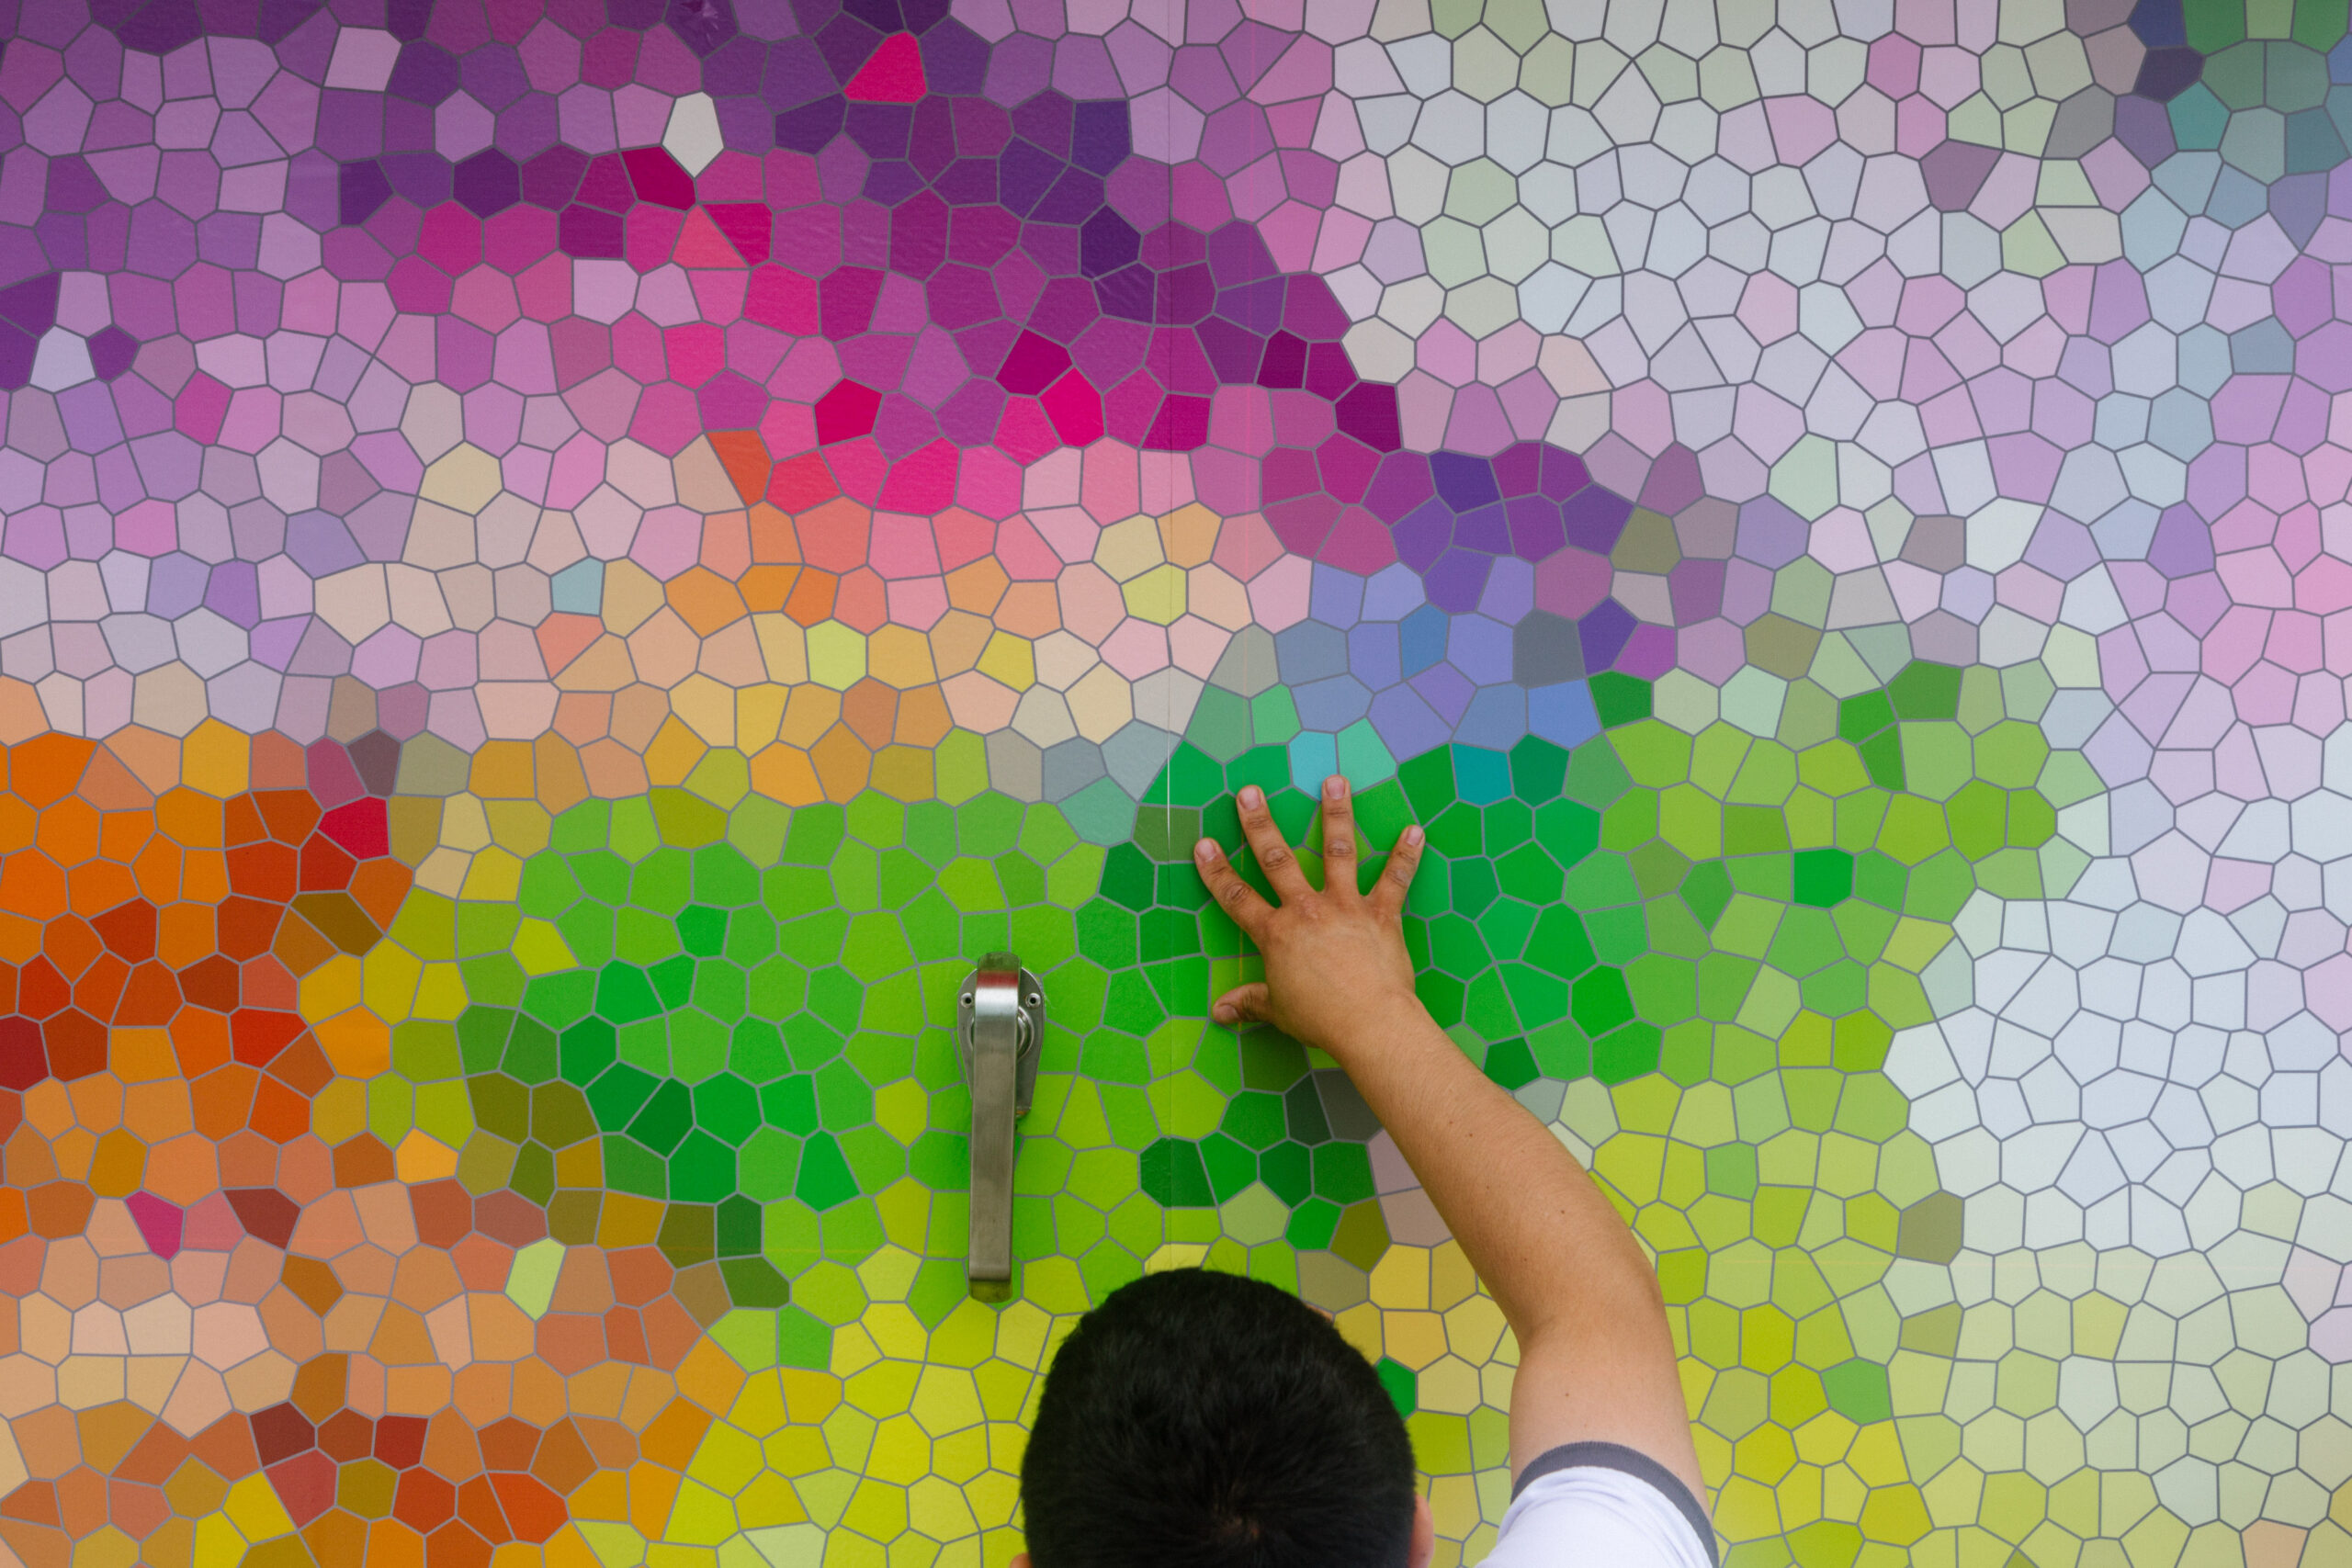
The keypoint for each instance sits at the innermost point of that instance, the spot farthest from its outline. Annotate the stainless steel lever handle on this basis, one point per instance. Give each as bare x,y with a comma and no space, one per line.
1000,1021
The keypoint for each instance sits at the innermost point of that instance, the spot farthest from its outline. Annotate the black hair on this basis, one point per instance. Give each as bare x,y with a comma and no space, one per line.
1199,1419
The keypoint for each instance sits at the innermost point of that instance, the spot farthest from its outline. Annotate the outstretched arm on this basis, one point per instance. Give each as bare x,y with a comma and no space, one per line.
1596,1358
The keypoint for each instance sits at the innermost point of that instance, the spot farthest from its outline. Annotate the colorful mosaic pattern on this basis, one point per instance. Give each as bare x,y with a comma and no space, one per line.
566,564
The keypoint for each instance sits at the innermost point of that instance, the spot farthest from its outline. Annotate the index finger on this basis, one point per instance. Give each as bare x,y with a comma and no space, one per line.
1240,899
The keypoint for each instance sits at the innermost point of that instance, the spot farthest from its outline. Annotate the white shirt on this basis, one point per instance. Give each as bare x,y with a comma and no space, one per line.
1603,1503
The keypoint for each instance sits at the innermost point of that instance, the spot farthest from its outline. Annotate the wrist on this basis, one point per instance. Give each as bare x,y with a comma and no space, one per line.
1384,1022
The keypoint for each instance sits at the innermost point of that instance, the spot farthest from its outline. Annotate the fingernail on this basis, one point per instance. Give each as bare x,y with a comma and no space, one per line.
1334,788
1205,851
1222,1013
1252,797
1413,835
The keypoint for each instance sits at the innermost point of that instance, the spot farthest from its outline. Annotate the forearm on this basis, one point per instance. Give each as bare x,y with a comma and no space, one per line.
1596,1358
1543,1238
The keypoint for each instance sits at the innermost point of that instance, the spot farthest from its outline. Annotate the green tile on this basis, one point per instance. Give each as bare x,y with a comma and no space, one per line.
1823,877
1173,1175
1401,1383
1287,1169
1342,1172
824,1178
1254,1117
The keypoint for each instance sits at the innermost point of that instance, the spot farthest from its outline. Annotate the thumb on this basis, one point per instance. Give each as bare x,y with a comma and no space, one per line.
1243,1004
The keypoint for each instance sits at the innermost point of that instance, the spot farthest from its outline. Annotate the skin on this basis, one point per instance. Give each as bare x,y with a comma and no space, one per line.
1597,1361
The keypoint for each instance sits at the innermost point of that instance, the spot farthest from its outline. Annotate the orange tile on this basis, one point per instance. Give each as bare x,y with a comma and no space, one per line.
223,1099
705,600
775,537
811,597
72,945
783,773
391,1544
451,1448
158,871
290,814
482,1392
765,588
68,831
979,587
122,834
82,1501
923,719
674,1435
59,1209
97,885
19,937
380,885
540,1394
204,873
43,769
1030,610
841,764
200,1042
870,708
156,1112
189,818
184,1171
32,885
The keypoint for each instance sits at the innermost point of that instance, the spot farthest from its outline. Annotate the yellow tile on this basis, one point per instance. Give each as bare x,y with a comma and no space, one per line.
837,655
1157,595
1011,660
1415,1338
901,1452
946,1400
884,1388
1401,1278
1474,1327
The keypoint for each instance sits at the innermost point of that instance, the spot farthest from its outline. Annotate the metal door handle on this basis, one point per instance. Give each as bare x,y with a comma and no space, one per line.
1000,1019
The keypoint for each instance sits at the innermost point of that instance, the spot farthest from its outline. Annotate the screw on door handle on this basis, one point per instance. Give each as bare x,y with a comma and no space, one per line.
1000,1022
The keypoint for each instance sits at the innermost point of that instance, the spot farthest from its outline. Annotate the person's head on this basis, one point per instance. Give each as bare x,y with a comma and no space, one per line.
1198,1419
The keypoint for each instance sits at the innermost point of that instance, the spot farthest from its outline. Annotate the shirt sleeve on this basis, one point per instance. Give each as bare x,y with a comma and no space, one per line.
1602,1503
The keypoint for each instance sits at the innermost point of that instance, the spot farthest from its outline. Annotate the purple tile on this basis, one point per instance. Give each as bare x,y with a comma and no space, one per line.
1456,579
1603,634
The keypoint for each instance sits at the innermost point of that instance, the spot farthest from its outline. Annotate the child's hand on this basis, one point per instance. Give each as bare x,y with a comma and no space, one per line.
1335,960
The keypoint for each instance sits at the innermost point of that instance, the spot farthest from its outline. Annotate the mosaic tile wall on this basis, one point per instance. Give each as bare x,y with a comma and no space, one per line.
566,564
